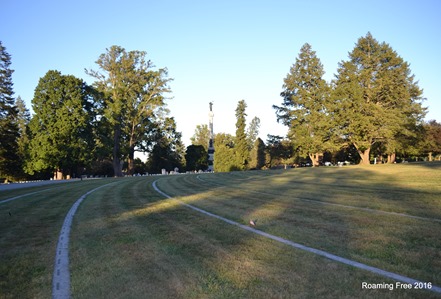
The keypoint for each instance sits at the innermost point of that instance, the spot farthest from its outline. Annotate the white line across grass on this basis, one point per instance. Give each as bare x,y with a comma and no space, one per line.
328,255
61,275
20,196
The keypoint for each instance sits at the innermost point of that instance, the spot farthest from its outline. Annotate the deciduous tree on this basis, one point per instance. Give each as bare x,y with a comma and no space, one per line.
432,140
61,130
167,150
196,158
133,91
201,136
280,151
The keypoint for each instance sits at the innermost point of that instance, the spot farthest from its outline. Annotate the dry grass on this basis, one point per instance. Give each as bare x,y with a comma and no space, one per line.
129,242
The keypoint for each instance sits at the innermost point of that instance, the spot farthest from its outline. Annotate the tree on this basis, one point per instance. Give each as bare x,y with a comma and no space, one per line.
61,131
257,156
196,158
133,93
23,119
432,140
224,155
9,131
241,143
167,149
253,132
140,167
280,151
376,99
201,136
304,108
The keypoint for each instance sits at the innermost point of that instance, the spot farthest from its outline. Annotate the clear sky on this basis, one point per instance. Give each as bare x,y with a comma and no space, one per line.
220,51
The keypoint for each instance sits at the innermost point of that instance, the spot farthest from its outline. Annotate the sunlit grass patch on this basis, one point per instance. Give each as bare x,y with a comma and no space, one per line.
128,241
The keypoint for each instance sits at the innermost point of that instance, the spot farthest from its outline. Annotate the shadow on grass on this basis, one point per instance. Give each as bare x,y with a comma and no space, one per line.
168,250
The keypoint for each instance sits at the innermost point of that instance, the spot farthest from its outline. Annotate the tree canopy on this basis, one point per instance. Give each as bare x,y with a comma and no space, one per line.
372,108
61,126
9,131
201,136
375,98
241,142
133,94
305,105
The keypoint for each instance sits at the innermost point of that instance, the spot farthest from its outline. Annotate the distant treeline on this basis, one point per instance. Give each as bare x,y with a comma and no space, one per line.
371,110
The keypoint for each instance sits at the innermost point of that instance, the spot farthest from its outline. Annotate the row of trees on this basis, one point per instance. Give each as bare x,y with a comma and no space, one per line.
372,108
231,152
373,104
77,128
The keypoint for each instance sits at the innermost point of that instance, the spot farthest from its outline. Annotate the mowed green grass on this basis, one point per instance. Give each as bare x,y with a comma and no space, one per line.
127,241
28,237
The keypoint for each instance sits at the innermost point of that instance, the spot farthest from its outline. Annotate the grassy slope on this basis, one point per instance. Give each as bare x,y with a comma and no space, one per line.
128,241
29,236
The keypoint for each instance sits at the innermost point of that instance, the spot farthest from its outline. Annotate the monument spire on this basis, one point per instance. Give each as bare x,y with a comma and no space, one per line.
210,143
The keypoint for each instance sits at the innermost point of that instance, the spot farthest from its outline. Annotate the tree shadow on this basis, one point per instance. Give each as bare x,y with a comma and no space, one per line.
303,206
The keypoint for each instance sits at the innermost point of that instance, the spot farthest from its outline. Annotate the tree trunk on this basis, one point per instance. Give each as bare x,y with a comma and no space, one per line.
131,161
391,158
117,171
315,159
364,155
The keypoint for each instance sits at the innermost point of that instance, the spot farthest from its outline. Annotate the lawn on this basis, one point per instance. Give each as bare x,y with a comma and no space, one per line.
128,241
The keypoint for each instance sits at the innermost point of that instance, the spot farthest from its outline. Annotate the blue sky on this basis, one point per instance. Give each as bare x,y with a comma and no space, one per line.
220,51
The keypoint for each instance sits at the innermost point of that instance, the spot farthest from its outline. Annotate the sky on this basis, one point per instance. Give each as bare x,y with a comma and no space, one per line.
218,51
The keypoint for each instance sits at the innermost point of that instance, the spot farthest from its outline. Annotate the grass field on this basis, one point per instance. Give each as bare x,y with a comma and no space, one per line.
128,241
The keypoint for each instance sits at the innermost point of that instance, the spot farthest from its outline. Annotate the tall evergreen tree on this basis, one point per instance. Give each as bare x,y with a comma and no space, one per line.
23,119
61,131
253,132
304,107
241,143
133,92
224,155
258,156
9,131
376,99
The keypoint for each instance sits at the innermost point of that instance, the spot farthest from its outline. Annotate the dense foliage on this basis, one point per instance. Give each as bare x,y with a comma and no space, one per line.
376,99
133,96
305,107
374,104
9,131
371,111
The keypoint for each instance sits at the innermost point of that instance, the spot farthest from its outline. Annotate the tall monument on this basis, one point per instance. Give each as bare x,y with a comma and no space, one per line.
210,143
